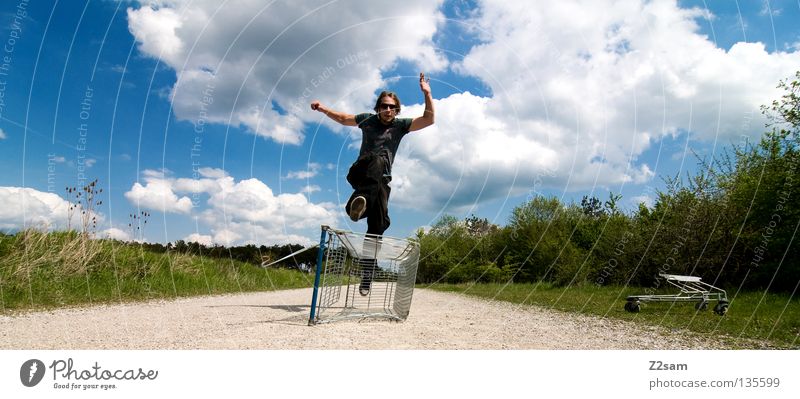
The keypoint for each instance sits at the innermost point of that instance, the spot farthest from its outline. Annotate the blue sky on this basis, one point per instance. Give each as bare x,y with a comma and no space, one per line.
199,114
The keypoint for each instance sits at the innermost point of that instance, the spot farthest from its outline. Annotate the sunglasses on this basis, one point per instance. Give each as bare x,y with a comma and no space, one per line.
387,107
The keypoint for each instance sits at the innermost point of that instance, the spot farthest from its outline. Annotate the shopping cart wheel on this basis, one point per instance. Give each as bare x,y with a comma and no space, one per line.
721,308
702,305
632,307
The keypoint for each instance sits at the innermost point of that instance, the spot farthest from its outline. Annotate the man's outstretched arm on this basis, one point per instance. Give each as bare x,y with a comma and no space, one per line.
427,118
341,117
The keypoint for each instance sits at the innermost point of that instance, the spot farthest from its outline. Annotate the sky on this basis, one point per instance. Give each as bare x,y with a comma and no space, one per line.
197,112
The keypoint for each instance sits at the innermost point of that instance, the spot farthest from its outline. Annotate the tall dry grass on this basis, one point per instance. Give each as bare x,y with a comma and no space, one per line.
51,269
65,253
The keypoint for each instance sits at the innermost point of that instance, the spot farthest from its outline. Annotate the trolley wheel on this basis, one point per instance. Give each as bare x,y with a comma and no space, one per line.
632,307
702,305
721,308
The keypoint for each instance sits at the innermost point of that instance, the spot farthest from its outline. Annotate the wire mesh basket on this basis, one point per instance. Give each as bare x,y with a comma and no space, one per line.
362,275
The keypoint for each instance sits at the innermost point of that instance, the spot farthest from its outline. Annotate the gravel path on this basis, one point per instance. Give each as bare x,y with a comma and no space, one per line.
277,320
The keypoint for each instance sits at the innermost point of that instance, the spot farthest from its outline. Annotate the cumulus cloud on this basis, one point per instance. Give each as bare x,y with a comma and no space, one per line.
155,32
204,239
28,208
579,91
252,201
213,173
115,234
235,212
248,211
468,155
253,233
257,65
642,199
613,70
157,194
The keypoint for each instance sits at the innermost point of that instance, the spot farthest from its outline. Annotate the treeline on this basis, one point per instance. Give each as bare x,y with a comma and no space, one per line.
733,223
247,253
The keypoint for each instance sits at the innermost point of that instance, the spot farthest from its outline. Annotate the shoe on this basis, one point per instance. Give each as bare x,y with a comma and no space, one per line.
357,208
367,270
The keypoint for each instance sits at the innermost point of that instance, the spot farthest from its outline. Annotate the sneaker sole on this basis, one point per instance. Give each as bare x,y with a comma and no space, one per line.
357,208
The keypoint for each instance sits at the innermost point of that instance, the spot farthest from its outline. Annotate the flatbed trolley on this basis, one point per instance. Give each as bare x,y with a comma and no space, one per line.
691,290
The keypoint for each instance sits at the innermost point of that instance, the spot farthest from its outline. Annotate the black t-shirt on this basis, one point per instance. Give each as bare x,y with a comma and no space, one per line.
378,138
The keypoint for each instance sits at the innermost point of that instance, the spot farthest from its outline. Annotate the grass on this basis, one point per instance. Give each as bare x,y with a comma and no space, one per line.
754,320
47,270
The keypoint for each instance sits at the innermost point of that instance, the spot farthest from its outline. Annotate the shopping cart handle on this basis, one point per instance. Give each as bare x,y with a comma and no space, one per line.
676,277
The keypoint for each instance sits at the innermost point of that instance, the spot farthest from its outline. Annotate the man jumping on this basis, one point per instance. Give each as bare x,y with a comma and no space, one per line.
370,174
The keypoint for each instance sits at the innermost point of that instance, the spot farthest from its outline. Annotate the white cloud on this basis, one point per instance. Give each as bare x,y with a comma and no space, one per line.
469,154
25,207
226,236
210,181
254,202
580,90
3,135
90,162
155,32
237,233
245,211
767,10
302,174
157,194
156,173
249,211
196,186
642,199
213,173
206,240
619,69
258,65
312,170
115,234
310,189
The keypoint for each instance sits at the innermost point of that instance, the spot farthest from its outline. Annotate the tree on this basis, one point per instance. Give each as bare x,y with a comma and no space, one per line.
592,207
478,227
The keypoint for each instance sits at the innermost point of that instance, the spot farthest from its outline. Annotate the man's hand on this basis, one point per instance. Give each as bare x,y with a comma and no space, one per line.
315,105
427,117
424,84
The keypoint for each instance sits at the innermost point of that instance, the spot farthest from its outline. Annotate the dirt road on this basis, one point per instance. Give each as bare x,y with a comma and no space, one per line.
278,320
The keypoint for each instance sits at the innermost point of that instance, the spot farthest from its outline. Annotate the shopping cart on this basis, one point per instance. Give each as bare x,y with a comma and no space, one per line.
376,274
362,276
691,290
